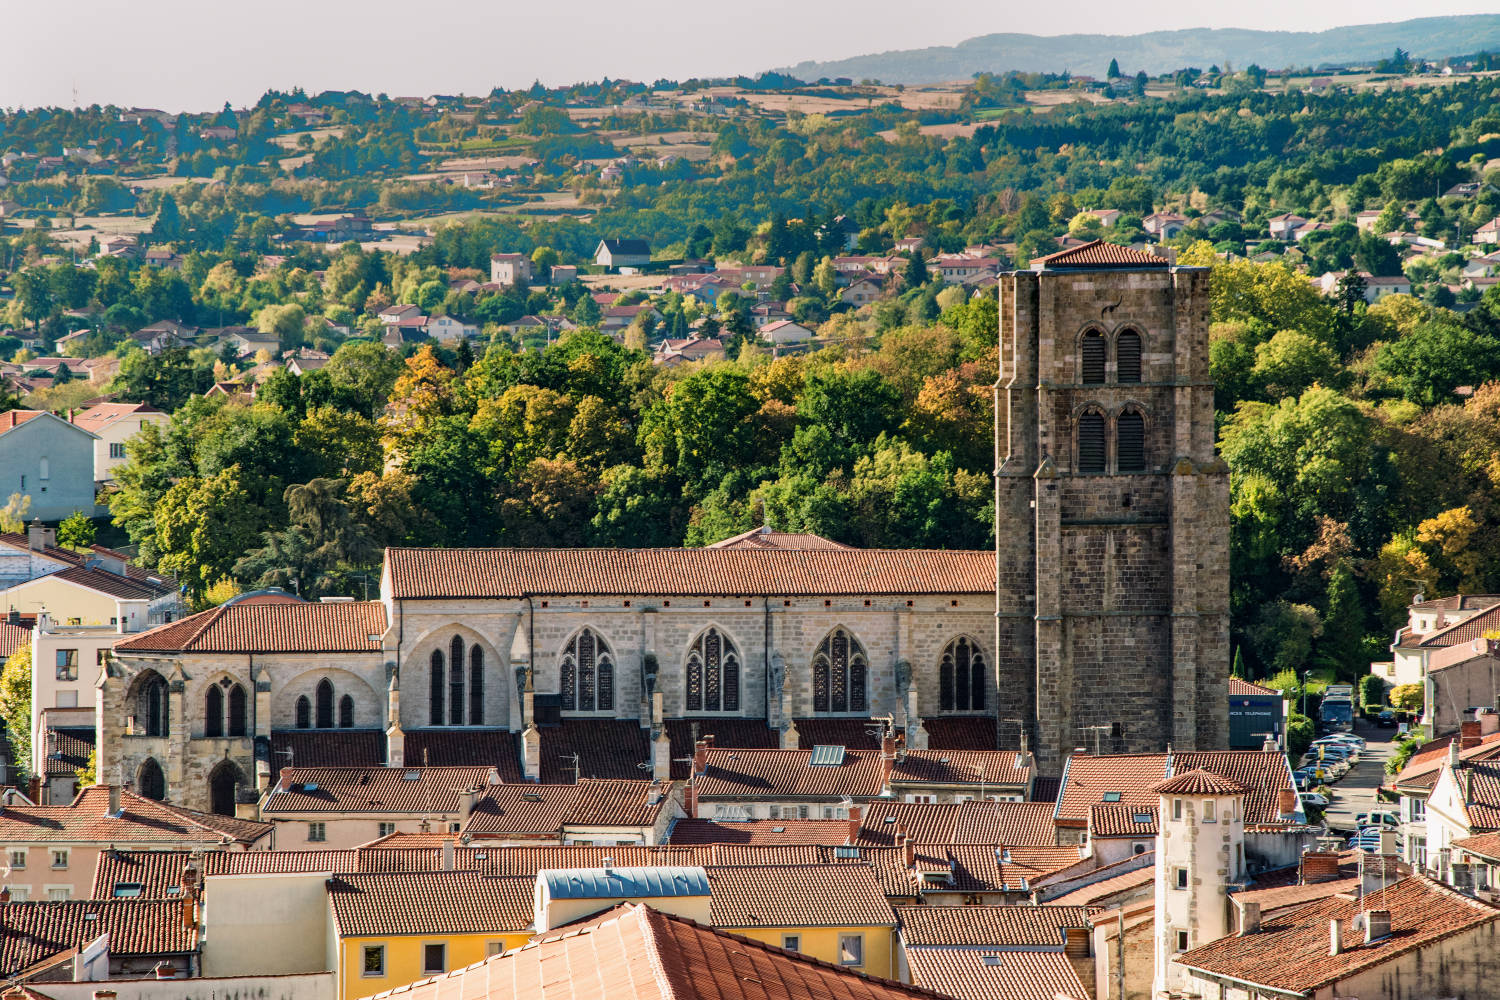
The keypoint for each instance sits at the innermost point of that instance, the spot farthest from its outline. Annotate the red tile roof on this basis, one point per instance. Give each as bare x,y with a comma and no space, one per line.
536,808
136,927
1471,628
1014,824
130,588
1485,845
382,790
962,767
12,638
328,748
157,873
1099,254
1290,952
440,902
1421,771
606,748
11,419
759,832
1281,896
798,896
335,627
466,748
788,774
1096,892
765,538
1122,821
639,952
960,732
1198,782
67,750
1013,926
1129,779
1240,686
96,418
514,573
979,974
86,820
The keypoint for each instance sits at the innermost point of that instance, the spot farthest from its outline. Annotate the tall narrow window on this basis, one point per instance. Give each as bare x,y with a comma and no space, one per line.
962,677
151,781
437,679
152,706
325,704
238,725
456,682
1091,358
840,675
304,713
346,712
587,674
476,686
713,674
213,711
1091,443
1128,357
1130,442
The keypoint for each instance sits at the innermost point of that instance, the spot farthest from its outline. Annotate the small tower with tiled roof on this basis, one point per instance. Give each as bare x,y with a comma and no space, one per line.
1200,852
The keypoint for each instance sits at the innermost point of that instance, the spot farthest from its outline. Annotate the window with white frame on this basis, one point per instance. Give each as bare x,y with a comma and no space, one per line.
59,859
386,829
18,860
317,832
851,949
59,893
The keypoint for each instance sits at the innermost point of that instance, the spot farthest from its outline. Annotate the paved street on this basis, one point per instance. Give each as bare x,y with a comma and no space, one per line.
1355,792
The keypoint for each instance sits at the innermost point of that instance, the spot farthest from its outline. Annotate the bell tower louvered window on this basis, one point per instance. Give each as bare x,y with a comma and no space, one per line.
1130,440
1091,358
1091,443
713,674
1128,357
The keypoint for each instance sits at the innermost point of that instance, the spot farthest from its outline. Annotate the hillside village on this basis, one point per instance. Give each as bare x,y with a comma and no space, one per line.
756,538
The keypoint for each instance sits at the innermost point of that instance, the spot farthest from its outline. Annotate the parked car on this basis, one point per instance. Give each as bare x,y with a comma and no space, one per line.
1304,777
1386,719
1314,799
1378,819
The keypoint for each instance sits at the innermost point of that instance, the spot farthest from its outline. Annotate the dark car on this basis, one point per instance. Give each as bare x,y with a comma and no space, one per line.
1386,719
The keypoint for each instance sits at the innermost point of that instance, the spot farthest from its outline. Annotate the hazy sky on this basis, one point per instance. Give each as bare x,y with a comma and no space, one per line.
177,54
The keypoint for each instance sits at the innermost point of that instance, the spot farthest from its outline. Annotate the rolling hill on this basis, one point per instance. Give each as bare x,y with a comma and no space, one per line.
1163,51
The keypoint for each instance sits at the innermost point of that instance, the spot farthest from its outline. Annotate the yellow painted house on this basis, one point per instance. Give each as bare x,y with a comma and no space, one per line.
388,929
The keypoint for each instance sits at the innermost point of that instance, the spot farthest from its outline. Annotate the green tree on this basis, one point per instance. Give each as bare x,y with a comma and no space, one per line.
202,527
323,544
165,380
76,531
15,705
1436,358
1291,362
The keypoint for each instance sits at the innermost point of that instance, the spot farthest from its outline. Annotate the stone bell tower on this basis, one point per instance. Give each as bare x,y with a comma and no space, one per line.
1111,507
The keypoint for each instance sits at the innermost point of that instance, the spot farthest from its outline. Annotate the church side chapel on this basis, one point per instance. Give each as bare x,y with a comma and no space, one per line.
1105,603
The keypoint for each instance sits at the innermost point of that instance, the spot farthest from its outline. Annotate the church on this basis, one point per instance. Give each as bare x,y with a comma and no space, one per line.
1101,617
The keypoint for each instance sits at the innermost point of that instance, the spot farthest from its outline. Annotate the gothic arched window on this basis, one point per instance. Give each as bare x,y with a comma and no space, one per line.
304,713
324,696
346,712
456,682
437,679
152,709
713,674
587,674
476,685
1128,357
961,676
238,712
150,780
1091,443
213,711
840,675
1091,353
1130,442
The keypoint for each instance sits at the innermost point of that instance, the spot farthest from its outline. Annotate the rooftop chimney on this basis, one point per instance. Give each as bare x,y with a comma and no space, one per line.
1468,735
467,799
39,537
1269,744
1319,866
661,756
531,753
1453,749
700,754
1286,801
448,860
1377,925
115,805
1335,937
1249,917
854,817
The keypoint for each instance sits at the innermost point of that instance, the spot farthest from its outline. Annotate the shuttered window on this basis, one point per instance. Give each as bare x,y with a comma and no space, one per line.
1091,360
1091,443
1128,357
1130,439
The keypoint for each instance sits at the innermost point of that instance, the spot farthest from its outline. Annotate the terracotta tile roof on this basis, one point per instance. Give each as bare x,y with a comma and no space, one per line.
1014,824
96,418
158,874
530,860
963,767
1098,253
606,748
326,748
1281,896
538,808
980,974
759,832
382,790
1014,926
1421,771
925,822
751,734
788,774
1198,782
1096,892
129,588
466,748
12,638
765,538
1485,845
67,750
960,732
636,951
336,627
11,419
1240,686
86,820
1129,779
851,734
1290,952
798,896
1122,821
514,573
136,927
283,862
1480,781
1045,789
456,902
